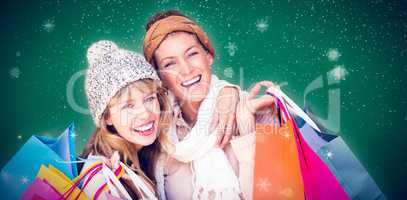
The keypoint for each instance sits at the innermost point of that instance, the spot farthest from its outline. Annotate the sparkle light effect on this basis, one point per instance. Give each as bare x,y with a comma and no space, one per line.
24,180
329,154
286,135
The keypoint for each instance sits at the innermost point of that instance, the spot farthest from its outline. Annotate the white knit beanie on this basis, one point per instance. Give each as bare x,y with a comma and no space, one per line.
110,70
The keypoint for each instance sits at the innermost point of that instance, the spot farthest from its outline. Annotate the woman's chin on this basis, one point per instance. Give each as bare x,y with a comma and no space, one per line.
145,141
196,95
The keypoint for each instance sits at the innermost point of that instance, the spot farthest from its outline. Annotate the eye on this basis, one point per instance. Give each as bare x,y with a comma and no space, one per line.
150,98
192,54
128,105
169,64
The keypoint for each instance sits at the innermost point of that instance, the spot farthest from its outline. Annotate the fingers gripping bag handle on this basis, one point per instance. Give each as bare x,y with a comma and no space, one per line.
104,178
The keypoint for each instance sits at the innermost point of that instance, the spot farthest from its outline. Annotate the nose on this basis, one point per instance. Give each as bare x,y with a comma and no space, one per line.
184,67
141,113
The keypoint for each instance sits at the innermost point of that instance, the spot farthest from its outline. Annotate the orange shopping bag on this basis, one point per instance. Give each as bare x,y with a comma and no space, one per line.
277,172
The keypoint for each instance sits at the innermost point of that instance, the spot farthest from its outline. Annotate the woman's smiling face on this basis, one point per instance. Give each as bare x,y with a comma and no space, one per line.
184,66
134,112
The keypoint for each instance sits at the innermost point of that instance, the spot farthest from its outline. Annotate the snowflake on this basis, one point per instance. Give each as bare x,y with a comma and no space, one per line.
339,72
232,48
73,135
19,137
262,25
228,72
15,72
48,25
264,184
24,180
329,154
333,54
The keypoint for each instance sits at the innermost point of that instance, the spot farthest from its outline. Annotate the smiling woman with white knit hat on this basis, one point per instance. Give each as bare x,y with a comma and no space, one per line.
130,110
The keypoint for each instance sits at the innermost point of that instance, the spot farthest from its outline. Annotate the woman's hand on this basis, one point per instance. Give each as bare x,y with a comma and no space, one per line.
113,162
224,118
249,105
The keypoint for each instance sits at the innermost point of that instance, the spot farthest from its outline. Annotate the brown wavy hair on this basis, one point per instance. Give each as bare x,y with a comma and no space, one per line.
105,140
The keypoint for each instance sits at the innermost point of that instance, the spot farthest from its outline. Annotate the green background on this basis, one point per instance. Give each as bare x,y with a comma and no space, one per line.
43,44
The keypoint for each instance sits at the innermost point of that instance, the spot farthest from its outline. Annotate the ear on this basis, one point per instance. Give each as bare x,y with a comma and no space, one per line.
108,120
210,58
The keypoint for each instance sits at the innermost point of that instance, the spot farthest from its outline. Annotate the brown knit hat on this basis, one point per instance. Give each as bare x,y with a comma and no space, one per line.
160,29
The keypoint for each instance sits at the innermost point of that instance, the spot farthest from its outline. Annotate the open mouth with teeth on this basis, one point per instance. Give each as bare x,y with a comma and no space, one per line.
146,129
192,81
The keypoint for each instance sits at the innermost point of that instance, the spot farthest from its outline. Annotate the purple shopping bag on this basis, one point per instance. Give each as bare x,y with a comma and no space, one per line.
40,189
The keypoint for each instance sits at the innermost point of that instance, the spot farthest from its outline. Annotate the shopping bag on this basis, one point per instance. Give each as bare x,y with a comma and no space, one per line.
277,172
22,168
63,185
319,182
341,161
97,183
108,181
333,151
40,189
50,179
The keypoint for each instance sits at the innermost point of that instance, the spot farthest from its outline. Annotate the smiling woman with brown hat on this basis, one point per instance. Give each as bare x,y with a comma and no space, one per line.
182,54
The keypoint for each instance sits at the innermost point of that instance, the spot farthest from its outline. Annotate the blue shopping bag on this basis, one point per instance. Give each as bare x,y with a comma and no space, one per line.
22,168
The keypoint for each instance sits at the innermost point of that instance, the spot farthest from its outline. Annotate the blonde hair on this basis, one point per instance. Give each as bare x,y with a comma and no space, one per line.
105,139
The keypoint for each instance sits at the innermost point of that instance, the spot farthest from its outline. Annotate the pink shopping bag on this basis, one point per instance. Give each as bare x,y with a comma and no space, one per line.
319,182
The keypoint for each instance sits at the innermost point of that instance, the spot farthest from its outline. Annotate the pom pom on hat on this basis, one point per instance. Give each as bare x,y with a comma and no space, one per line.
99,49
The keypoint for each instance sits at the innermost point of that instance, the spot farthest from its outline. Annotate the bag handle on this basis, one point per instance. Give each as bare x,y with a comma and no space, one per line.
292,106
114,183
138,182
93,169
280,100
118,173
